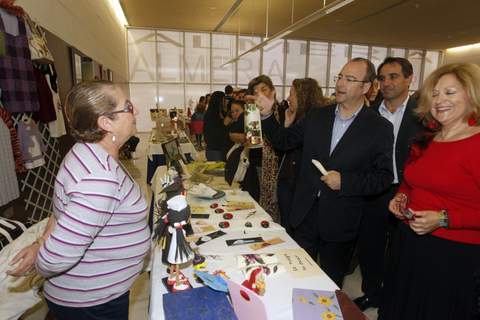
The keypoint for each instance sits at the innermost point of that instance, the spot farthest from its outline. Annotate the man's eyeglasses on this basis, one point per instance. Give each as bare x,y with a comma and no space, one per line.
127,109
349,79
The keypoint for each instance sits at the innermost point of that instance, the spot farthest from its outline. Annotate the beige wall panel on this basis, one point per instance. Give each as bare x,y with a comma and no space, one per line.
89,25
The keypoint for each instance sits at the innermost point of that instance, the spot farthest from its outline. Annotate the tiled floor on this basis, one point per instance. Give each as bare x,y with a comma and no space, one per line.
140,292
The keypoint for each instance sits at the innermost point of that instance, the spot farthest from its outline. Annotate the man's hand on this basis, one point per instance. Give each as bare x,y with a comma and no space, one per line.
264,104
332,179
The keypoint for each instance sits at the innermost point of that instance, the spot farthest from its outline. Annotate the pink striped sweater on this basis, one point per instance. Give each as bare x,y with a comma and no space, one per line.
101,238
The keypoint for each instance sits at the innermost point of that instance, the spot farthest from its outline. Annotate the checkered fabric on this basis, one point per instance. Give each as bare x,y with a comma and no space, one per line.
16,72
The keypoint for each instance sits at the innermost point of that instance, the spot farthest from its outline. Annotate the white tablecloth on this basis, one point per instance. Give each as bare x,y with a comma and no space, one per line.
278,296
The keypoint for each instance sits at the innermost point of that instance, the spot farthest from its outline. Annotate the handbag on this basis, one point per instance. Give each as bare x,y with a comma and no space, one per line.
19,88
37,42
237,163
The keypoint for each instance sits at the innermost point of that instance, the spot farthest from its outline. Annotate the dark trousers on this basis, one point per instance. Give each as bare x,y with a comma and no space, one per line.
334,256
214,155
376,226
116,309
285,193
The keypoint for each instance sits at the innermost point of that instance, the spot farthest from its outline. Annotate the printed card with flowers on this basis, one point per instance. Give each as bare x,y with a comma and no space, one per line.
315,304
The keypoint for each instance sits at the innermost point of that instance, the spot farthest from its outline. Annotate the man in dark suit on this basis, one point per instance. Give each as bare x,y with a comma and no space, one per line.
355,145
395,76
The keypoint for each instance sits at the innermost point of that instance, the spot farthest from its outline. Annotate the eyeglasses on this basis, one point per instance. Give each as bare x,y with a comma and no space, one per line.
127,109
349,79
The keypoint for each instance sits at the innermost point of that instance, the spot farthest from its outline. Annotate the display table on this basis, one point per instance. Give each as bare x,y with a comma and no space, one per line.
156,156
278,296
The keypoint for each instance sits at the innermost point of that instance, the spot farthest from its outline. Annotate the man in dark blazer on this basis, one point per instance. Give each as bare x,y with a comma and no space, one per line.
395,76
355,145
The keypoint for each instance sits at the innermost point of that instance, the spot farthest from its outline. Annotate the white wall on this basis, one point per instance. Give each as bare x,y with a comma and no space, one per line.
89,25
465,55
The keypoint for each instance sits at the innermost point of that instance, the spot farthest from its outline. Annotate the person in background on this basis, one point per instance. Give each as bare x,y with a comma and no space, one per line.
435,268
236,132
228,102
196,122
394,76
207,100
216,136
262,85
304,94
241,94
354,144
374,95
99,212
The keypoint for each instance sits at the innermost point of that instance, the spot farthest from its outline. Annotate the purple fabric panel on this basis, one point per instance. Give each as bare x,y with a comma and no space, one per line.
19,89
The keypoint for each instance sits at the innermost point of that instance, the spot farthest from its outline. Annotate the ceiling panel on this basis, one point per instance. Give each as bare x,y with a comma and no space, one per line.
430,24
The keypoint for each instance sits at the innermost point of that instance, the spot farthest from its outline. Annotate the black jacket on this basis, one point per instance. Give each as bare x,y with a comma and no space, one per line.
363,157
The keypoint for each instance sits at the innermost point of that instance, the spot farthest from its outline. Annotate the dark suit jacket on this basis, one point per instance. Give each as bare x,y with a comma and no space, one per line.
363,157
409,128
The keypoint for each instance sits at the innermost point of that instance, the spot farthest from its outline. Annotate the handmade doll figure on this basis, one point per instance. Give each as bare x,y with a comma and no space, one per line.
179,251
172,186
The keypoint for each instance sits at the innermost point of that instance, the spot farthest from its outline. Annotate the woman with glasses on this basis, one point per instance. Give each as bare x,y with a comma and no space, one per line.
97,239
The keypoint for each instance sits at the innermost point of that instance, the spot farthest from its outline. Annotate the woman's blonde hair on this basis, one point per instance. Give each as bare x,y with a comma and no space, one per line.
468,74
85,103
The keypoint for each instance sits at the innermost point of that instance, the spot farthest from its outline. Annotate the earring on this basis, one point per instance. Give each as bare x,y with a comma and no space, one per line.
432,124
472,120
114,138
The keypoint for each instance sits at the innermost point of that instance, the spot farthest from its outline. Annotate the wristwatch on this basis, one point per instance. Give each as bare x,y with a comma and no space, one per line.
443,218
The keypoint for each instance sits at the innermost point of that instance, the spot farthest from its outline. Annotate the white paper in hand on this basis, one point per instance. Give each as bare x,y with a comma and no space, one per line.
319,166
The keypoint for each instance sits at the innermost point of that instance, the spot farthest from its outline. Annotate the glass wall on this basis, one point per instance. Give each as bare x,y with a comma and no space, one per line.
174,68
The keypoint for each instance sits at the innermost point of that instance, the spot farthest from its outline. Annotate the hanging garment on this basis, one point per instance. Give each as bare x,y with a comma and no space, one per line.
49,69
17,153
8,179
16,72
46,113
30,143
38,42
57,127
2,44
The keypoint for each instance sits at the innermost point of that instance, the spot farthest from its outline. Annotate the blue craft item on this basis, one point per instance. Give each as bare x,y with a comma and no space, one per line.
198,303
215,282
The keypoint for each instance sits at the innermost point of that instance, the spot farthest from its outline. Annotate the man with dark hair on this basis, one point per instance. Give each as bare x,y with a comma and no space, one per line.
355,145
228,90
395,76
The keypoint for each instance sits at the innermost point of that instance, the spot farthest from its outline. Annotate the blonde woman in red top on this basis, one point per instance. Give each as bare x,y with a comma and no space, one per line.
435,266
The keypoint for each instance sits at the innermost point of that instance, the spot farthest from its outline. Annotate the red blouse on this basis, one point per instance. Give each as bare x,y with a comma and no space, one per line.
447,176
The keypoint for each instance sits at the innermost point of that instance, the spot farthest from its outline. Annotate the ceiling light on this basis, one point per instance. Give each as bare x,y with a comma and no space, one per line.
332,7
465,48
117,8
